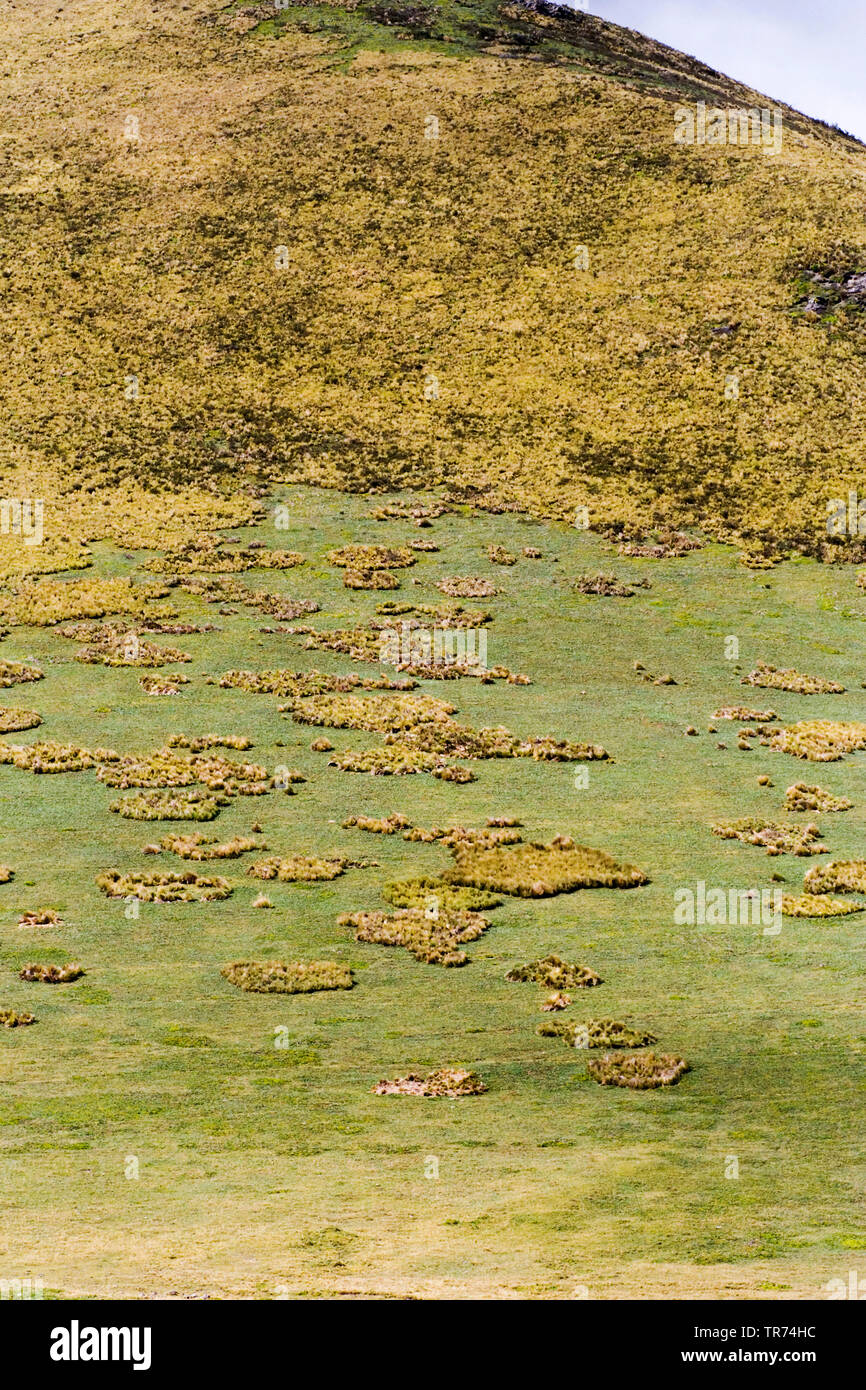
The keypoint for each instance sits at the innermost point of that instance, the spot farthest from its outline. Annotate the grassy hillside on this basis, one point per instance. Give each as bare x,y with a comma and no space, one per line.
155,336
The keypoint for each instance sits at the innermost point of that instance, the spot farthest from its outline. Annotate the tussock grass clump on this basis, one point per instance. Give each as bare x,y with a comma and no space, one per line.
359,643
389,826
645,1071
288,977
771,677
486,838
847,875
556,1002
165,805
743,713
821,740
453,1082
498,555
454,774
424,892
43,602
186,887
670,544
204,552
554,973
41,917
52,974
608,586
298,685
539,871
376,713
18,673
167,768
205,741
163,685
503,821
447,737
435,940
199,847
370,579
595,1032
371,557
298,868
13,720
467,586
804,905
6,874
803,797
129,650
776,837
419,512
55,757
11,1018
322,745
396,760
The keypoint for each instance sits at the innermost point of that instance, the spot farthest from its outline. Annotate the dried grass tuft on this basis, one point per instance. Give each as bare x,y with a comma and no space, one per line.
645,1071
292,977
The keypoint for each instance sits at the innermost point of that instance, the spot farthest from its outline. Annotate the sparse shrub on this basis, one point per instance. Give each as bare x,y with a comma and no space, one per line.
537,871
802,797
52,974
185,887
13,721
292,977
554,973
645,1071
452,1082
770,677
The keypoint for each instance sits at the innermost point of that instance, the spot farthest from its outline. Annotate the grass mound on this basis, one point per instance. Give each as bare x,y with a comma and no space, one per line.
167,768
845,875
371,557
298,868
447,737
803,797
538,871
821,740
186,887
776,837
498,555
42,917
396,760
467,586
292,977
370,579
554,973
744,713
55,757
645,1071
375,713
608,586
52,974
771,677
165,805
13,720
387,826
595,1032
199,847
452,1082
804,905
435,940
298,685
18,673
422,892
163,685
11,1018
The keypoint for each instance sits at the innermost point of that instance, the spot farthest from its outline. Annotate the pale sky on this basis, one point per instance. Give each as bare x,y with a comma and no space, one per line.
809,55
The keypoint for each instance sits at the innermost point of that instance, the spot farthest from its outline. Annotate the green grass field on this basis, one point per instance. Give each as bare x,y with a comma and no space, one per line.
268,1171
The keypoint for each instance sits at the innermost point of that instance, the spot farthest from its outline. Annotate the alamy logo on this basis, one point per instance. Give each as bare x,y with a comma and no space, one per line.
21,1288
846,518
729,126
76,1343
22,516
855,1288
728,907
439,646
